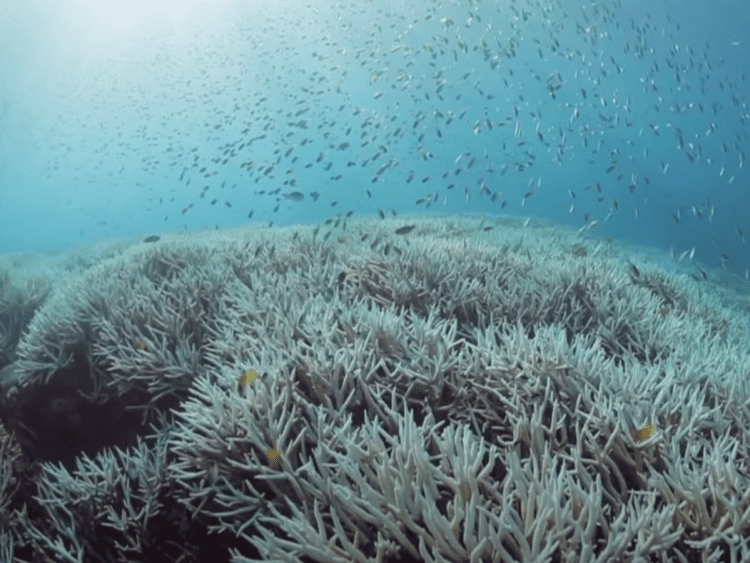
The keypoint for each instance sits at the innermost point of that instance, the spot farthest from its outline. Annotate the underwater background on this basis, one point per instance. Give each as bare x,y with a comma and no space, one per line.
386,282
627,120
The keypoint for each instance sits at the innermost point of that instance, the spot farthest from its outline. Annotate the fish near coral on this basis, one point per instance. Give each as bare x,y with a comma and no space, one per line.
645,433
405,229
248,376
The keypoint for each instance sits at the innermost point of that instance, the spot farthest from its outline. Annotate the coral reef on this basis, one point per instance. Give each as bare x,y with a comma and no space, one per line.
445,392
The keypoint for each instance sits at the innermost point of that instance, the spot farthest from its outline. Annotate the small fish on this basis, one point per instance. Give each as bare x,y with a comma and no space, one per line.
425,200
645,433
140,345
248,376
294,196
152,238
405,229
249,215
382,214
213,201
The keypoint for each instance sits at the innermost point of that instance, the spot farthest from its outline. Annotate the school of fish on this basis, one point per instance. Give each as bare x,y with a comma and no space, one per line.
576,112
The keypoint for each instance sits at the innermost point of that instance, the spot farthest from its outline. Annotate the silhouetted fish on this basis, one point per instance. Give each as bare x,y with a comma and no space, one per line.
405,229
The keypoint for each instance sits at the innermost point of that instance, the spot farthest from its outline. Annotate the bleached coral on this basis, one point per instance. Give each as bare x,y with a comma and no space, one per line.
452,394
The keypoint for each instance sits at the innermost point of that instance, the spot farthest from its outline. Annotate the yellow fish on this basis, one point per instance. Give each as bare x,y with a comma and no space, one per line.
248,376
273,455
645,433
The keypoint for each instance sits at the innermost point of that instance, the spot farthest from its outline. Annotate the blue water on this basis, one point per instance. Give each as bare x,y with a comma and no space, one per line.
166,117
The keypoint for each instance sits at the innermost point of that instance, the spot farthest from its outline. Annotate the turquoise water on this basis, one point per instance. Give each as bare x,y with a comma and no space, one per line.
617,120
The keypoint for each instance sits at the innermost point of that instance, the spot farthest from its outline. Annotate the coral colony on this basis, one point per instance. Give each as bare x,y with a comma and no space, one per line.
476,395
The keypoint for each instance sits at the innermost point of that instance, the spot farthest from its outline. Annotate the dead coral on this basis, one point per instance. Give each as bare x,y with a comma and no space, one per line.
454,401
